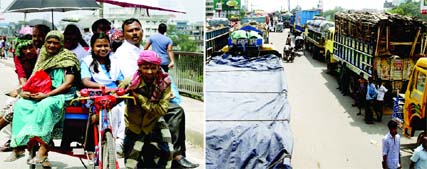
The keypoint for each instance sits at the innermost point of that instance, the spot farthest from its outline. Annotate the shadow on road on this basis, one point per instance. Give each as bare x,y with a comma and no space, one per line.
315,63
358,121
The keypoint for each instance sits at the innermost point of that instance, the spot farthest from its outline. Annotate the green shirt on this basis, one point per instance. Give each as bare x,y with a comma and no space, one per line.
144,115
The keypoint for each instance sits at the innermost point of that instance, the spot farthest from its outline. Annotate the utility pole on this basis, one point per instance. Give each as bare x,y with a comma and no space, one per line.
289,5
101,10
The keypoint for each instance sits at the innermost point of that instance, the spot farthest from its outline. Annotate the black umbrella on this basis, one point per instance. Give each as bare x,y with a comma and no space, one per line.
34,22
30,6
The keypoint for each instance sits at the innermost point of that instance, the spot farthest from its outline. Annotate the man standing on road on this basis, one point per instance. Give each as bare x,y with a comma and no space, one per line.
162,45
360,93
379,105
419,158
391,148
371,95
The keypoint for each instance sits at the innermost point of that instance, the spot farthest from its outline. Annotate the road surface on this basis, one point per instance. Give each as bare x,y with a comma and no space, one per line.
327,132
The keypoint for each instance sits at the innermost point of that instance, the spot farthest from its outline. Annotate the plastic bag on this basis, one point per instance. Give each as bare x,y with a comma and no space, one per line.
39,82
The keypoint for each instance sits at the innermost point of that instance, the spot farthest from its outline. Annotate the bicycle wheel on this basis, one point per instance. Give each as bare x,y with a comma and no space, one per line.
108,152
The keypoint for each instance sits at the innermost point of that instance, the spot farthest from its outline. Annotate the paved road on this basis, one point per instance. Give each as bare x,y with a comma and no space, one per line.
327,132
8,81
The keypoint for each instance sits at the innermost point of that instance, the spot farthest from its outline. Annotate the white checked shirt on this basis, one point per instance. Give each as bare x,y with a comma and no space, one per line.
391,148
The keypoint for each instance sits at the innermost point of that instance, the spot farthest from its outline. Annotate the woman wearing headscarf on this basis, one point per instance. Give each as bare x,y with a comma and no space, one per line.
36,114
144,121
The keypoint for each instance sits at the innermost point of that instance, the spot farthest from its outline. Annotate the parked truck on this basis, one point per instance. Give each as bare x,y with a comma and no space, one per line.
285,18
216,38
317,35
259,22
383,46
301,17
415,100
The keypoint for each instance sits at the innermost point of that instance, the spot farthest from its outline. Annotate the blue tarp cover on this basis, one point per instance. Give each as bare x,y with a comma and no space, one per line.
247,113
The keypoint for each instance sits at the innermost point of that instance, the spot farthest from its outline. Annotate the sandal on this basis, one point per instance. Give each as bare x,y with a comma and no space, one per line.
14,156
44,161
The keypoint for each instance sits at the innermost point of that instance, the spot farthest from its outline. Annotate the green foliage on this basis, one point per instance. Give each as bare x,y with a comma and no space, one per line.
409,8
242,13
330,14
181,40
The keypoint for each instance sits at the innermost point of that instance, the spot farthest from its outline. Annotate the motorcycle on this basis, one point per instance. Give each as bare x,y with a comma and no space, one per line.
288,53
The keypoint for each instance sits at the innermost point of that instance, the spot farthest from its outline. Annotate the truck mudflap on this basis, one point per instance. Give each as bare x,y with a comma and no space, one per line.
247,113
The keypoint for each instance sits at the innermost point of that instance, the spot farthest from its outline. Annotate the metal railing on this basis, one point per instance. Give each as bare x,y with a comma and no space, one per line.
188,72
216,39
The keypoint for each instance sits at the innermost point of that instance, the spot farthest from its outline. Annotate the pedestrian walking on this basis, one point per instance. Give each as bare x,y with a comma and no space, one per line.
391,148
419,158
162,45
379,104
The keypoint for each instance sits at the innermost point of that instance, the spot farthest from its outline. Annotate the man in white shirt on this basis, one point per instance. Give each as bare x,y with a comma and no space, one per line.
379,105
128,52
391,147
419,158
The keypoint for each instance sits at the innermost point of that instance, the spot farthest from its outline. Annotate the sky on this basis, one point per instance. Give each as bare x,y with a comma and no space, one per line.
194,9
272,5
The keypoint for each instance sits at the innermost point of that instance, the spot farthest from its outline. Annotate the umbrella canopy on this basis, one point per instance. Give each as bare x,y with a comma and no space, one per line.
30,6
137,4
34,22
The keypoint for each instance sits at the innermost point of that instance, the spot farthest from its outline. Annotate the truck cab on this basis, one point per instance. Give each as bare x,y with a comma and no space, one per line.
329,49
414,109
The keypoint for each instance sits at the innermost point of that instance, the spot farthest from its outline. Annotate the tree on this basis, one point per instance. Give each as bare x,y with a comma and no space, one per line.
181,40
330,14
408,8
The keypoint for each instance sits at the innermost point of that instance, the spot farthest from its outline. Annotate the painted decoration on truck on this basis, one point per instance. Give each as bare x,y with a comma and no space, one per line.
393,68
423,7
397,69
383,68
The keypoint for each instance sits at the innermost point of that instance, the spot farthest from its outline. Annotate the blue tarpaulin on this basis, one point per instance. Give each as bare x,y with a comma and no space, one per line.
247,113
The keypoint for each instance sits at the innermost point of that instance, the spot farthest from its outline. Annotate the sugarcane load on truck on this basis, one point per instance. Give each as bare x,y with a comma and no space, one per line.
381,45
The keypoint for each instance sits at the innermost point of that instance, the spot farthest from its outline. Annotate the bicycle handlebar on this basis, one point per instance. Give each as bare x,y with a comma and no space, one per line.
92,94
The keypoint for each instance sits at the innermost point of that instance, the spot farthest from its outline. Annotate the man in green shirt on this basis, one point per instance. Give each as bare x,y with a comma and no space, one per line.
144,121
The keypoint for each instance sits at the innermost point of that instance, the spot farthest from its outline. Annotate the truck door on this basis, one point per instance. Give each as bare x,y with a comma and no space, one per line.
414,108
